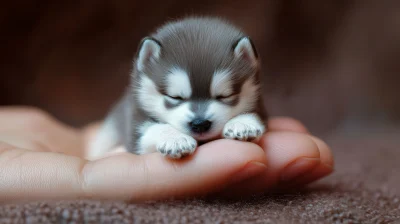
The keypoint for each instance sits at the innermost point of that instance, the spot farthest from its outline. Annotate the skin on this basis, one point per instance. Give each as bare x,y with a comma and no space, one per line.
42,158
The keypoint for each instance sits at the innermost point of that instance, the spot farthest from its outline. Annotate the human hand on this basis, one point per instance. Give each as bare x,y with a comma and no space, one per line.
41,158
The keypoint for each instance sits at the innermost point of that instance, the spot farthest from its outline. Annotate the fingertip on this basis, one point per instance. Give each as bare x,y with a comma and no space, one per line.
288,154
288,148
281,148
294,159
317,161
286,124
326,153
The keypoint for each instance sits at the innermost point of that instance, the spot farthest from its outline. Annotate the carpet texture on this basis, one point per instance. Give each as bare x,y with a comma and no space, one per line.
365,188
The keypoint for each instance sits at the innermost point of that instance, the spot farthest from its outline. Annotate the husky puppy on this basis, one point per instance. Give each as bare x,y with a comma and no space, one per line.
192,81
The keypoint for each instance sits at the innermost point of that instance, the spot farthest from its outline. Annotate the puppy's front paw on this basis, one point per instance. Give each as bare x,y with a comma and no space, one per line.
239,129
177,146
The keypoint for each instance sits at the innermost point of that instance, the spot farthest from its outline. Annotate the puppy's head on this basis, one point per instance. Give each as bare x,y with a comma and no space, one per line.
196,76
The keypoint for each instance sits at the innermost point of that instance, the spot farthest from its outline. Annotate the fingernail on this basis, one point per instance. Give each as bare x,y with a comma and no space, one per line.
298,168
249,170
320,171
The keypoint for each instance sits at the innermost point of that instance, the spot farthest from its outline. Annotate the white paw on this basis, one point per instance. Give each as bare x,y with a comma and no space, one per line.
177,146
238,130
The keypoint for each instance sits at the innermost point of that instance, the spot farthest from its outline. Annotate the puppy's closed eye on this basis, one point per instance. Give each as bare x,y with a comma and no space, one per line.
174,100
221,97
179,98
227,98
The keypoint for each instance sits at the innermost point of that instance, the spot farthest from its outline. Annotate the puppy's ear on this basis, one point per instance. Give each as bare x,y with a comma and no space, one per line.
149,51
245,50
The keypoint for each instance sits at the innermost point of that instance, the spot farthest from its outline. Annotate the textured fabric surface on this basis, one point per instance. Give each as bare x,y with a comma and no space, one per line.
365,188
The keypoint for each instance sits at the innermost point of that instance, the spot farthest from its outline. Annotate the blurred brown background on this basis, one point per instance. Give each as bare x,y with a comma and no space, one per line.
331,64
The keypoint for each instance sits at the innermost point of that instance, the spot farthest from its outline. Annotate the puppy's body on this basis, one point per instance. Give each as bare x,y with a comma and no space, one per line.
193,80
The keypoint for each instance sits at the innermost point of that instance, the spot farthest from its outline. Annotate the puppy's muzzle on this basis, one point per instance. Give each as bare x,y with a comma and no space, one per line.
199,125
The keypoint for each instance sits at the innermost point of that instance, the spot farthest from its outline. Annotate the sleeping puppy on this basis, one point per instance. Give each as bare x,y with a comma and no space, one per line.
193,80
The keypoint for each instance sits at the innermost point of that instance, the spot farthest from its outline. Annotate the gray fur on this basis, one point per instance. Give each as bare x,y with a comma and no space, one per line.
199,46
199,107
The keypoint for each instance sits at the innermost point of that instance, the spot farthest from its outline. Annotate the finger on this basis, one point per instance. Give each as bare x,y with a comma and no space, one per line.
45,175
323,169
28,175
26,118
152,176
291,157
51,141
286,124
23,142
289,154
39,127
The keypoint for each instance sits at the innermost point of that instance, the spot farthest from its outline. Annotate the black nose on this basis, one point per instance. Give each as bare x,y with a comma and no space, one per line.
200,125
